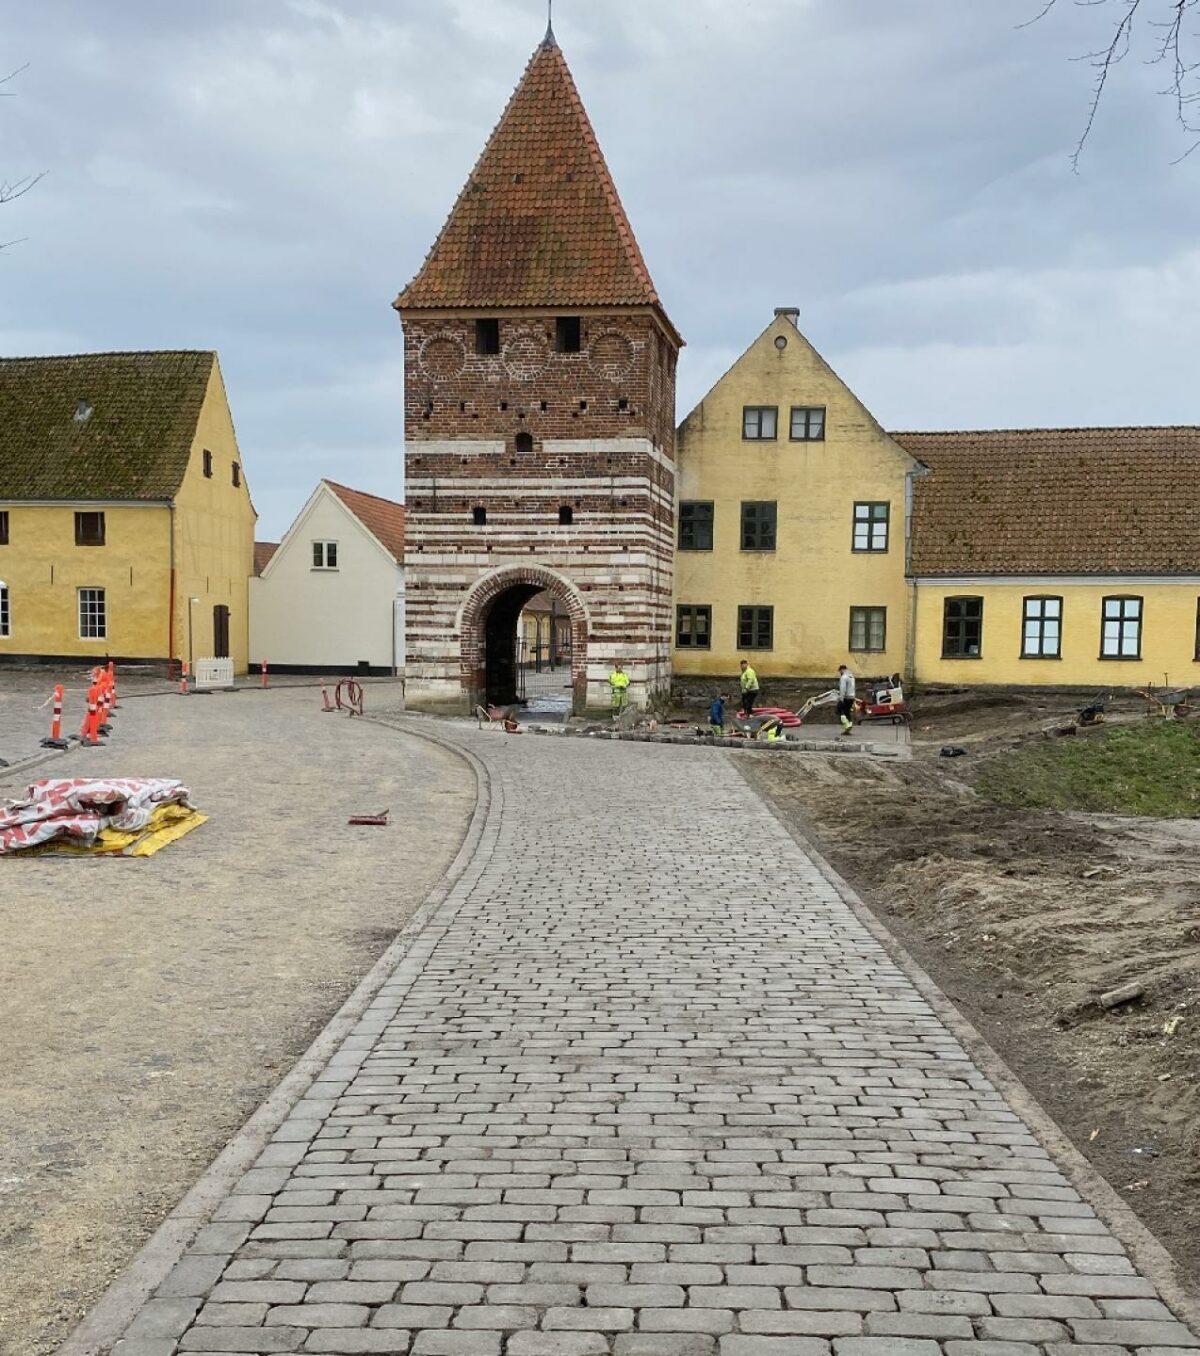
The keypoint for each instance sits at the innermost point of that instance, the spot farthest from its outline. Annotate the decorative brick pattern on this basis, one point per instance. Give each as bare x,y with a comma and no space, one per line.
497,442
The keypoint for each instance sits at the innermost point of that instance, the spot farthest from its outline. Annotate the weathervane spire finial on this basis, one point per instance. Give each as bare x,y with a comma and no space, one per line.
549,40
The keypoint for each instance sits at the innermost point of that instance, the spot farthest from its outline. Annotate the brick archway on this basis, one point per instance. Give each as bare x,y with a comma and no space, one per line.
487,623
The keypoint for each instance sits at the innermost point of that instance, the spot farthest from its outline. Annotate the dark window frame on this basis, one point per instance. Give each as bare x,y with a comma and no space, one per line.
3,527
236,474
1122,620
961,622
1040,621
568,334
82,536
690,524
866,612
808,411
693,611
487,336
752,618
566,515
756,413
479,516
208,469
5,613
759,528
872,521
523,444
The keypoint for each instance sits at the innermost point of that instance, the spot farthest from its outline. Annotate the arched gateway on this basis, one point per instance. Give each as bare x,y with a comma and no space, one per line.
487,627
539,418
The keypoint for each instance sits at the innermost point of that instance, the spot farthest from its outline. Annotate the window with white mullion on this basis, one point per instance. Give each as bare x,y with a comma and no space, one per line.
93,615
1121,629
1041,630
325,555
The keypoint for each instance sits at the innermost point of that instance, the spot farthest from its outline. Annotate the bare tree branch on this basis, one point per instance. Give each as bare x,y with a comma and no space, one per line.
10,191
1171,45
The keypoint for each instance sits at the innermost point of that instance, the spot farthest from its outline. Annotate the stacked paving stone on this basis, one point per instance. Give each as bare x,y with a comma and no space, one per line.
645,1085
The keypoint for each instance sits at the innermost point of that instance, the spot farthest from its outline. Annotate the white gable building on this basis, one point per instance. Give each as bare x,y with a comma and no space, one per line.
330,597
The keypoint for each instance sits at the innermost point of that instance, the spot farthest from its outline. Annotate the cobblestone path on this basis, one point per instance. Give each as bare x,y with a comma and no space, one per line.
646,1086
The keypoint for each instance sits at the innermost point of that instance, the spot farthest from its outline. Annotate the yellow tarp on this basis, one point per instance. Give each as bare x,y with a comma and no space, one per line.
167,823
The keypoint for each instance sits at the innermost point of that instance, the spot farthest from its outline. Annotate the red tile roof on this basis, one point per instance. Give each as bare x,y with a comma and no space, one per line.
263,551
1056,501
539,222
384,518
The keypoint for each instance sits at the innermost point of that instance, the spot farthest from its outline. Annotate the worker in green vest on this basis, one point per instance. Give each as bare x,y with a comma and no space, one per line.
750,690
618,686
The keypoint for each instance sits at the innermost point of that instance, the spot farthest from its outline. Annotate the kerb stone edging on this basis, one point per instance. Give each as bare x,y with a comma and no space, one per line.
116,1309
1152,1259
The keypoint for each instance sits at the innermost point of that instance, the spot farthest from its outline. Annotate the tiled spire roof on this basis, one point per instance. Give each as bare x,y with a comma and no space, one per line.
539,222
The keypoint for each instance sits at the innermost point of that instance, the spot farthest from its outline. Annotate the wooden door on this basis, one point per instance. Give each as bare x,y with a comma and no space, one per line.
220,631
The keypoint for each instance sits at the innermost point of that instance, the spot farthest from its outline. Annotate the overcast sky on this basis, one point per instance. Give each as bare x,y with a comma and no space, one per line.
263,176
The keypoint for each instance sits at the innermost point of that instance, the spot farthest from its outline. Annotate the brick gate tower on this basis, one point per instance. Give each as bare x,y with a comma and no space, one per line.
539,418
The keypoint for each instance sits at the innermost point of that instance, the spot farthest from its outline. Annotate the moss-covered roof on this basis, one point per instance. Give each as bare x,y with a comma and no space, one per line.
99,425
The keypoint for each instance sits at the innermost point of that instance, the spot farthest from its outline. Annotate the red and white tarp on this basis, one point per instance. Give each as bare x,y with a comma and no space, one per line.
78,808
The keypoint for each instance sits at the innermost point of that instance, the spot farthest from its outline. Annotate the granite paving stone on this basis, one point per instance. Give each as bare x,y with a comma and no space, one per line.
645,1087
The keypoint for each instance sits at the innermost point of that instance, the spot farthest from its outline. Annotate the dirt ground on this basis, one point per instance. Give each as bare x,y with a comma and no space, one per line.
1024,917
148,1006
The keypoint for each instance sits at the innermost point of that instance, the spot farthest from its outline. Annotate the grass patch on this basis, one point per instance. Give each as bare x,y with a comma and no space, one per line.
1151,769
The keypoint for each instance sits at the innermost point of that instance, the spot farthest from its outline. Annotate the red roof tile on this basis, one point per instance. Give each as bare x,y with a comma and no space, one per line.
1057,501
539,222
263,551
384,518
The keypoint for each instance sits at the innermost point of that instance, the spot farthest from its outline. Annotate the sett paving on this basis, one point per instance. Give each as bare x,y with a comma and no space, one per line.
645,1086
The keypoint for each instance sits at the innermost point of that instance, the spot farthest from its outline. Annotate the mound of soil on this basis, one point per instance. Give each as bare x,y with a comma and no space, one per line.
1024,918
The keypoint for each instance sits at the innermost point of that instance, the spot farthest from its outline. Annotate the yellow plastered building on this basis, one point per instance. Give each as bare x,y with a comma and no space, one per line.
809,537
126,525
791,514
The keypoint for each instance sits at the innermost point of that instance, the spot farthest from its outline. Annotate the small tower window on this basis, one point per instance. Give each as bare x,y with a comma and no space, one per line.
524,443
487,336
208,463
566,515
236,474
568,336
479,516
623,404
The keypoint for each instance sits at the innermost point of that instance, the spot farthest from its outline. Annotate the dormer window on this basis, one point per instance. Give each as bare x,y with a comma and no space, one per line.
568,334
487,336
83,411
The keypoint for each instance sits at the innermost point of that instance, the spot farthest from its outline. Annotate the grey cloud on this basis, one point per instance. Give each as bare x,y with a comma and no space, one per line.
262,176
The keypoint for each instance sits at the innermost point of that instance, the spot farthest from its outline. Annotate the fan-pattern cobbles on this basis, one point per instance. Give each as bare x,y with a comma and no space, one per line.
646,1086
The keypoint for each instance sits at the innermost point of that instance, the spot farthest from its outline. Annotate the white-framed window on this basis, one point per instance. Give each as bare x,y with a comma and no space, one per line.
5,615
871,526
1121,628
325,555
1041,628
93,615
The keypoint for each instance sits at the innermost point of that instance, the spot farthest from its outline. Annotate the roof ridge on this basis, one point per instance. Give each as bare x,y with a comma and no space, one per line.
1038,428
111,353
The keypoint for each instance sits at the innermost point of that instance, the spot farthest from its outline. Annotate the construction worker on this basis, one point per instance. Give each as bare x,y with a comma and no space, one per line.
845,706
716,715
771,730
618,685
750,689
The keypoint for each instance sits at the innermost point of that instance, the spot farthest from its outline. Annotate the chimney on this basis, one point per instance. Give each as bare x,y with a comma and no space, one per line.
791,313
